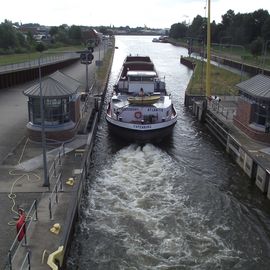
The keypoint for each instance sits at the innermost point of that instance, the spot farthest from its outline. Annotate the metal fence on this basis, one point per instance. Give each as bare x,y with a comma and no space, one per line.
225,110
50,59
55,172
26,264
53,199
32,215
17,244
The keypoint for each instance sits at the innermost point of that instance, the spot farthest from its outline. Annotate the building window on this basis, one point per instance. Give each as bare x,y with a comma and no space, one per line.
56,111
260,114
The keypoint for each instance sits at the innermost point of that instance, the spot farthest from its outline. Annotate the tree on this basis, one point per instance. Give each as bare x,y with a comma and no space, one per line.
7,35
75,34
40,47
266,29
62,34
259,16
178,30
198,27
53,31
228,18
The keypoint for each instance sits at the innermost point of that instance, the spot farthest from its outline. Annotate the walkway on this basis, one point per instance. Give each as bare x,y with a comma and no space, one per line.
21,174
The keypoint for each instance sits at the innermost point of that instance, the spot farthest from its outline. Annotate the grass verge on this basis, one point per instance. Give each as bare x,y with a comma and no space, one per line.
222,81
26,57
102,71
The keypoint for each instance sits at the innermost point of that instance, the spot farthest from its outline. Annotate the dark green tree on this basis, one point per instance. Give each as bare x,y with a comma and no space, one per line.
7,35
266,29
53,31
40,47
198,28
259,16
178,30
75,34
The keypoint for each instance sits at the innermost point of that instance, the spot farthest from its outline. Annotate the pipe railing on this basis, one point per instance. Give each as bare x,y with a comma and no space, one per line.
16,245
35,63
53,199
57,162
26,262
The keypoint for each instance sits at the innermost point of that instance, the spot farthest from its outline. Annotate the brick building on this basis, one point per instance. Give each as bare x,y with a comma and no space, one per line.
253,108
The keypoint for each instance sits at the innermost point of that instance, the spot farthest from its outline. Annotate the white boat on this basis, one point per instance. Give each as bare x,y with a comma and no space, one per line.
155,40
140,108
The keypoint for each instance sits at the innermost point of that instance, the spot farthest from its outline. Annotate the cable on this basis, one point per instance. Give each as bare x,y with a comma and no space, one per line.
12,195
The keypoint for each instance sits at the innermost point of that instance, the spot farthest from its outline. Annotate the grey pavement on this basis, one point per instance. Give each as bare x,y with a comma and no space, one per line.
21,174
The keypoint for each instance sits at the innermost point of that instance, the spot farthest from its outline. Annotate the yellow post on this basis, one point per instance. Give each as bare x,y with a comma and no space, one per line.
208,66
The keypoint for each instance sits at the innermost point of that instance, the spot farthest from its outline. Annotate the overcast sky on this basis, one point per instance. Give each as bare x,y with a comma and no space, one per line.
152,13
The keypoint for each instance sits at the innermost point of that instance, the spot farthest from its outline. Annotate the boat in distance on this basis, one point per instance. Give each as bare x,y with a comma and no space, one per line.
140,109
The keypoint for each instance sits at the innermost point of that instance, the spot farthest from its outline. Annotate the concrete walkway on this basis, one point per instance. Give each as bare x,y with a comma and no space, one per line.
21,176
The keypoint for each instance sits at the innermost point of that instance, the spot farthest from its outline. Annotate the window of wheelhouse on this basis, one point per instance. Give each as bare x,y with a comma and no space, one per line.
141,79
56,111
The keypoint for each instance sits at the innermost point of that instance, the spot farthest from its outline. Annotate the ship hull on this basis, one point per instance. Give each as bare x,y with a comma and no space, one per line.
153,133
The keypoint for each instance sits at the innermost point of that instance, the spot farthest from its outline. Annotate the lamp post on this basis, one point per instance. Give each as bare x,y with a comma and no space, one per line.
86,73
46,180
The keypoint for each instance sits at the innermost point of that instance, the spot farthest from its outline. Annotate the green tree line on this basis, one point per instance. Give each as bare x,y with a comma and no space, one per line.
12,40
251,30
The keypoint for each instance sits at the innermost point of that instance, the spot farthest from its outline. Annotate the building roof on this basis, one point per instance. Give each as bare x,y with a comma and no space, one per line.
55,85
257,86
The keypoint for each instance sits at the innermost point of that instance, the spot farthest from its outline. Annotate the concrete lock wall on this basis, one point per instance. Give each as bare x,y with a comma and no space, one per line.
248,165
241,158
261,179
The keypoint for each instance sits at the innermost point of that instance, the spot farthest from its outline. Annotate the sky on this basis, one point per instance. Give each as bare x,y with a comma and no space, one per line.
150,13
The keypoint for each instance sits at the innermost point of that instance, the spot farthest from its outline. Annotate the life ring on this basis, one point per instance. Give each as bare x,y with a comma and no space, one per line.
138,115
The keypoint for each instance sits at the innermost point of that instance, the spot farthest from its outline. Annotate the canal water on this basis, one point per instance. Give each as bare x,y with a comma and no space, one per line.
182,204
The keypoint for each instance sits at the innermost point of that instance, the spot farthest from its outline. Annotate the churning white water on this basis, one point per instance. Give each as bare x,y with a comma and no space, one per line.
177,206
137,200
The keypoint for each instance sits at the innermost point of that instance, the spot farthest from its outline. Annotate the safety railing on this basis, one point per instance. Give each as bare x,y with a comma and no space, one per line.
86,103
53,171
72,212
35,63
227,112
53,199
26,264
31,216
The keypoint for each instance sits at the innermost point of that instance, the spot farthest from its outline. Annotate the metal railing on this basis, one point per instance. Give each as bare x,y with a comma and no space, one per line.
87,100
55,173
26,261
54,195
226,112
72,212
35,63
17,244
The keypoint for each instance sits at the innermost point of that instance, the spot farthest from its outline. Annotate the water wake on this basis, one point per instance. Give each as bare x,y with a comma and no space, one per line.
139,217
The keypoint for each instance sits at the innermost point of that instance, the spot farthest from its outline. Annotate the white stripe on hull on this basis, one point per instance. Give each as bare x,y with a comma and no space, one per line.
141,127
